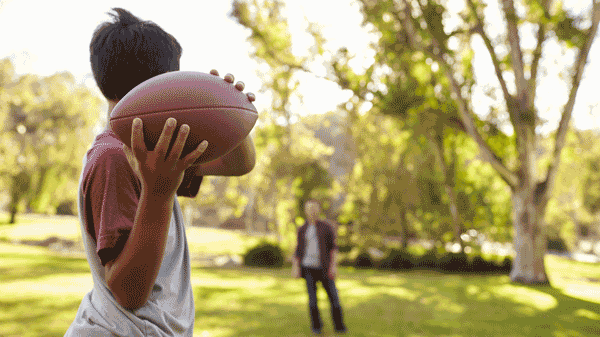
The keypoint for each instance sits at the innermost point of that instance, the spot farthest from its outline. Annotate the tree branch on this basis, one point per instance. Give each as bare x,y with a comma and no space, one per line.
537,54
508,176
468,31
488,43
563,126
464,112
515,49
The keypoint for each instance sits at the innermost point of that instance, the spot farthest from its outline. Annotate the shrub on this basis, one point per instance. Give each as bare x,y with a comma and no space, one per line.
66,208
345,248
454,263
428,261
363,260
397,259
557,244
346,263
264,255
480,266
506,265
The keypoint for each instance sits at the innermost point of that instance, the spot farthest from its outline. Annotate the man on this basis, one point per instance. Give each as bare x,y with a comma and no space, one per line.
315,260
131,222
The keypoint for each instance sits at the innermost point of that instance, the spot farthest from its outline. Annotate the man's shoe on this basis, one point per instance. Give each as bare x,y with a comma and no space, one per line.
316,332
343,331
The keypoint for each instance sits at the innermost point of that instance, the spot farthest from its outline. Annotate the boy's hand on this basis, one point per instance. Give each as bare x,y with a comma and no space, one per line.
239,85
160,174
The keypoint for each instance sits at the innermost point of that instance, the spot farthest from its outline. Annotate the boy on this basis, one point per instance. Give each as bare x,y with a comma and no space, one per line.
131,222
315,260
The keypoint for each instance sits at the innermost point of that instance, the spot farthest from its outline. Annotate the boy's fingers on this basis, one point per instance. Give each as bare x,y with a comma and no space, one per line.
179,144
137,138
194,155
165,137
130,158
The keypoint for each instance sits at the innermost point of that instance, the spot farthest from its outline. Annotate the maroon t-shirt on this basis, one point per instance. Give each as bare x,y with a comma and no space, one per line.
111,192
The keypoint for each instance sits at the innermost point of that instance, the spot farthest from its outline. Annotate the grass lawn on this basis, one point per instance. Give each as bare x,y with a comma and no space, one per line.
36,227
40,293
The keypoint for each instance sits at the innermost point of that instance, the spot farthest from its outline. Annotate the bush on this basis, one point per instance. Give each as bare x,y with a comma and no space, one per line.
397,260
454,263
557,244
346,263
363,260
480,266
66,208
506,265
428,261
264,255
345,248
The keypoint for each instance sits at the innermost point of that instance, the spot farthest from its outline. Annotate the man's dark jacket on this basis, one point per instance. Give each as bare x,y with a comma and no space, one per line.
326,237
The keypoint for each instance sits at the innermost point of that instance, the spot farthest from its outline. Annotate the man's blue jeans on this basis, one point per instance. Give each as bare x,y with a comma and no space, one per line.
312,276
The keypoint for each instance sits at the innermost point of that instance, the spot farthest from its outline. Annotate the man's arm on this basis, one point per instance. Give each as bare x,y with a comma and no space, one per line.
334,250
333,262
238,162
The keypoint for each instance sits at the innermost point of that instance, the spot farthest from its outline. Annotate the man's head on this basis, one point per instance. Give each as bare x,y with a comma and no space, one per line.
128,51
312,208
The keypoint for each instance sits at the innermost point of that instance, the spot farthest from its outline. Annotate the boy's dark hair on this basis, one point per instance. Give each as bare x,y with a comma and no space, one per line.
128,51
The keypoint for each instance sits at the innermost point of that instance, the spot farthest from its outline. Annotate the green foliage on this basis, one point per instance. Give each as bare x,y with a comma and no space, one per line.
591,186
264,255
397,259
46,128
363,260
397,184
310,176
557,244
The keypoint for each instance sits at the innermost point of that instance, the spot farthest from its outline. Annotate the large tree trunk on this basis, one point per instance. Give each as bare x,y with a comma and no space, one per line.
529,239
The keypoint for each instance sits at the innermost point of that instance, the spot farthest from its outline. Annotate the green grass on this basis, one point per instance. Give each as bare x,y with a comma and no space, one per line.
40,293
36,227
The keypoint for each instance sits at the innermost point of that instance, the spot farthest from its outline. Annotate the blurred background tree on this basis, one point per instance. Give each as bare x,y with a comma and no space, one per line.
424,66
47,127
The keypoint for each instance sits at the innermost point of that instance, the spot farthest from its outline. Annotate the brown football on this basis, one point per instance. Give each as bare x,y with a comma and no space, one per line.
213,108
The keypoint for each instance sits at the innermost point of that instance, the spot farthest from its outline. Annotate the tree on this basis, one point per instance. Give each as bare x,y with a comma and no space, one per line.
287,148
420,30
47,127
374,199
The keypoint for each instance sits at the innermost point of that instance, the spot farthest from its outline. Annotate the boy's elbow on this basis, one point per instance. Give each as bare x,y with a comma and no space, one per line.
129,301
245,169
250,166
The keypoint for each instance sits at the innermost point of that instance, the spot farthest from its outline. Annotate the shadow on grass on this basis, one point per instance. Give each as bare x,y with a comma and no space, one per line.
477,305
414,303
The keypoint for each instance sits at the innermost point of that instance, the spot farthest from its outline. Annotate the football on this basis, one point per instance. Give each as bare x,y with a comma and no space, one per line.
214,110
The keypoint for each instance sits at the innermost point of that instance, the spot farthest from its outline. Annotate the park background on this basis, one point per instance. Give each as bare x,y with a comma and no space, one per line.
368,119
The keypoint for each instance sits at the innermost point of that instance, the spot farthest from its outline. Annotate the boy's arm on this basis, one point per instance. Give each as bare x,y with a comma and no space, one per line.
238,162
131,276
